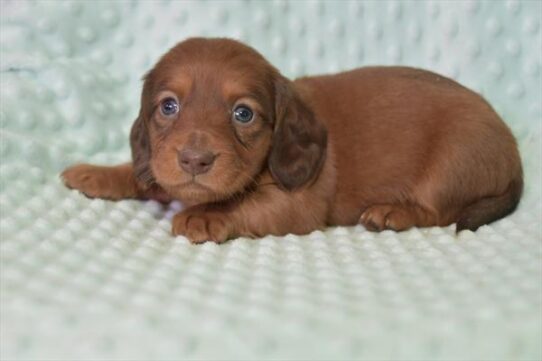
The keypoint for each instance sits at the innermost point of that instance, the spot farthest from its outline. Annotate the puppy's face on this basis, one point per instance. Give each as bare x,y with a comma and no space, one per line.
210,112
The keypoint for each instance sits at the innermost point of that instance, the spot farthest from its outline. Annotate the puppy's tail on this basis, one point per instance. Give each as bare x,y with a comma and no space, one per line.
489,209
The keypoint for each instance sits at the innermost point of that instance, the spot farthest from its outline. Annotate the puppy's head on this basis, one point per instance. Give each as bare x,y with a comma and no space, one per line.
214,115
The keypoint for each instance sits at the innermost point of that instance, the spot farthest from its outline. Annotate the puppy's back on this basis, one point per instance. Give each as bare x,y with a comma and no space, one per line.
405,135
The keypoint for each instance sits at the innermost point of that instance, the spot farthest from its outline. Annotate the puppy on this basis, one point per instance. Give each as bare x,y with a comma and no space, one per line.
251,153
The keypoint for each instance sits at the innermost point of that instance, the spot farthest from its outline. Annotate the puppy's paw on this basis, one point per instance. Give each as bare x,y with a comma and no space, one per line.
200,226
93,181
383,216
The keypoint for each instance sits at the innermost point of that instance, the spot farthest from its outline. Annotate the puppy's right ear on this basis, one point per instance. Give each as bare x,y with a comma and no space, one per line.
140,141
141,153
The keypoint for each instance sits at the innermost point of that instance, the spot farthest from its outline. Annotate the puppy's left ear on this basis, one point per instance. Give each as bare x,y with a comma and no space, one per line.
299,142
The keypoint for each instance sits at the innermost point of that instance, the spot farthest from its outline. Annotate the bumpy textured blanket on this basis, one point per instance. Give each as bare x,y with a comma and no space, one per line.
91,279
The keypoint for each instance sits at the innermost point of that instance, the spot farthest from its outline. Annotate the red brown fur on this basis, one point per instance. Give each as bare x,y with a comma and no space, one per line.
389,147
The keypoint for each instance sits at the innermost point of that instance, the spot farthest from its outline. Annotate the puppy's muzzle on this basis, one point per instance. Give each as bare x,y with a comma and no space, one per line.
195,161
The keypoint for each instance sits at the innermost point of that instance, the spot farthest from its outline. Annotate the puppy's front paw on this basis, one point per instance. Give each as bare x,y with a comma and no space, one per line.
200,226
93,181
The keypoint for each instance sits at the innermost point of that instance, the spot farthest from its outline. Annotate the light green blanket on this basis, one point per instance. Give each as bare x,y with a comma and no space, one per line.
89,279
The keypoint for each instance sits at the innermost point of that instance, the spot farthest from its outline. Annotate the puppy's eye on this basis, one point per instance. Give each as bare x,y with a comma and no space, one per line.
243,114
169,107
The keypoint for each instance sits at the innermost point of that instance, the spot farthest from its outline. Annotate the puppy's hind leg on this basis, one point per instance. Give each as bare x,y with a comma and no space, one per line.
397,217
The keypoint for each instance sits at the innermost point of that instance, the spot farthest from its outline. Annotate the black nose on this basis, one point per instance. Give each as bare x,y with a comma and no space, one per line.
195,161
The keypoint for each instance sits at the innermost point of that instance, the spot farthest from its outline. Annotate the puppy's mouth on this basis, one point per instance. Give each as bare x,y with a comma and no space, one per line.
194,183
193,191
212,186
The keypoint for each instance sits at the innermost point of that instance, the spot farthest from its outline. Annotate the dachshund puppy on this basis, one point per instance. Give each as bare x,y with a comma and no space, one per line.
251,153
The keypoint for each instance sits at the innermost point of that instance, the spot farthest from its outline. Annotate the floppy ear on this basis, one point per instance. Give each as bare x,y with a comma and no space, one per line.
299,142
140,142
141,153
